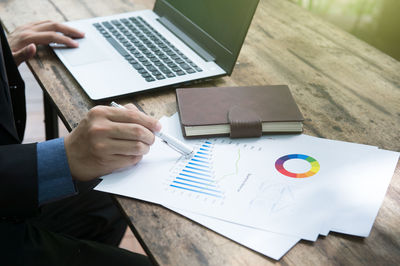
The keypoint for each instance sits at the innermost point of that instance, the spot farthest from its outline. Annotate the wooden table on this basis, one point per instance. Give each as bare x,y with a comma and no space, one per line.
346,89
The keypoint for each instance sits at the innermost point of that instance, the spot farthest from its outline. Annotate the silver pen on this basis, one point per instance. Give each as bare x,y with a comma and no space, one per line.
175,144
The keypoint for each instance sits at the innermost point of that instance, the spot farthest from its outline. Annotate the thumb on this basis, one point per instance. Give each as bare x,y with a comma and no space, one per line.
24,54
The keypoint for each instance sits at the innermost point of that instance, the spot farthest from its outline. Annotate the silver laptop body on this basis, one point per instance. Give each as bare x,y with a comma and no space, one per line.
143,50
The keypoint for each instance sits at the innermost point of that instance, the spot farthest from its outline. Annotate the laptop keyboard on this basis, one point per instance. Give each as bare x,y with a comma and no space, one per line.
153,57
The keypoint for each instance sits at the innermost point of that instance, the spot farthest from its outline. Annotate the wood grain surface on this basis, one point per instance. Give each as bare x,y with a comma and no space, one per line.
346,90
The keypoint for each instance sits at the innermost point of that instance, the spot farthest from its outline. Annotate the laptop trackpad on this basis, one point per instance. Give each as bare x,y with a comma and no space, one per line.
87,52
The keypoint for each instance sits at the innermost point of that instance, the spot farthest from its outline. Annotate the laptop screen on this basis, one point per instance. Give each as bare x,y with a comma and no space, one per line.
225,20
218,26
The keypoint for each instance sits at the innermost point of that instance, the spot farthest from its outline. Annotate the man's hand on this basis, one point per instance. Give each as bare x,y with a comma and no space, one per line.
107,139
23,40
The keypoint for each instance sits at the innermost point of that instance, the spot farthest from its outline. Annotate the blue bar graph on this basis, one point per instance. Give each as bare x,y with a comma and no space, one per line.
197,176
199,165
198,156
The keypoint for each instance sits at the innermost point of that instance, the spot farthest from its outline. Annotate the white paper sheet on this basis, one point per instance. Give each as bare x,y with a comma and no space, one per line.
267,243
238,182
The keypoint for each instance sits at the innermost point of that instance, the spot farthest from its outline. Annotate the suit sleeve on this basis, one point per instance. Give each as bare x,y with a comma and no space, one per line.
19,181
54,175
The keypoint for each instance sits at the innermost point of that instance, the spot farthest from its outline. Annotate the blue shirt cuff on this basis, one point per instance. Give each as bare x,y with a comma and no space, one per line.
55,180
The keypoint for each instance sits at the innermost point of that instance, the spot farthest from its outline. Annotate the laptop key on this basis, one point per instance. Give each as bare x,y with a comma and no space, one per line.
168,61
165,69
146,52
107,25
150,79
160,77
115,22
190,71
171,75
146,75
180,73
118,47
137,66
151,68
185,66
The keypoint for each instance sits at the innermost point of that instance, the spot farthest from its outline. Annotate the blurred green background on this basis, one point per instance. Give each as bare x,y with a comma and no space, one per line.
377,22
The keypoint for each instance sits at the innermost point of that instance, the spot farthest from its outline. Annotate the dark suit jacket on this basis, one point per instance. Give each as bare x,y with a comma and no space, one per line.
18,162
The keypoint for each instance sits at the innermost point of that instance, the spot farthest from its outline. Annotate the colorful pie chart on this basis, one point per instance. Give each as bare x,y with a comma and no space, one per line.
281,169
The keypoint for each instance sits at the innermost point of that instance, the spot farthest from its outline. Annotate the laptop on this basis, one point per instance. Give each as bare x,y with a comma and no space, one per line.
176,43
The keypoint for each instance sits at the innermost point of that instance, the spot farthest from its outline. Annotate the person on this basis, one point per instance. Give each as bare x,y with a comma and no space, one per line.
49,214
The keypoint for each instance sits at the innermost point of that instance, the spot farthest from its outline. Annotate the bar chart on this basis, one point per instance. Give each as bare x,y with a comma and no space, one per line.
195,177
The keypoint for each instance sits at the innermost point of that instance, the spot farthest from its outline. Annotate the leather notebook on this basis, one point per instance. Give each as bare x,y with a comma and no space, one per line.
238,111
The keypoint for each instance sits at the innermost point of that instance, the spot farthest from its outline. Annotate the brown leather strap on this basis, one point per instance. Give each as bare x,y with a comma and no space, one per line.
244,123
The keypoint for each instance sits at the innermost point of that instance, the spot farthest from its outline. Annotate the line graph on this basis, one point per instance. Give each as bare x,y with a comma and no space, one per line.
236,169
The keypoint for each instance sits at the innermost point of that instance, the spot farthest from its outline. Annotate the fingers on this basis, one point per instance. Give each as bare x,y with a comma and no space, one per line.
121,161
24,54
100,145
131,131
131,106
133,116
47,26
44,32
50,37
120,147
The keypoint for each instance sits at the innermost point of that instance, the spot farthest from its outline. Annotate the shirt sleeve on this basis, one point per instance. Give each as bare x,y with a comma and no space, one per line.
54,176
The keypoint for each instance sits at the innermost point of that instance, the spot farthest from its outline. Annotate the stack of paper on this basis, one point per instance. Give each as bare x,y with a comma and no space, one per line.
265,193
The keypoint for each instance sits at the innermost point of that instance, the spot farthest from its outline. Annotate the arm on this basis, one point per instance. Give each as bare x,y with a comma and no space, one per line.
105,140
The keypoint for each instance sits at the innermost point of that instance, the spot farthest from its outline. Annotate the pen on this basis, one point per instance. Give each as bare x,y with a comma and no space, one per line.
175,144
